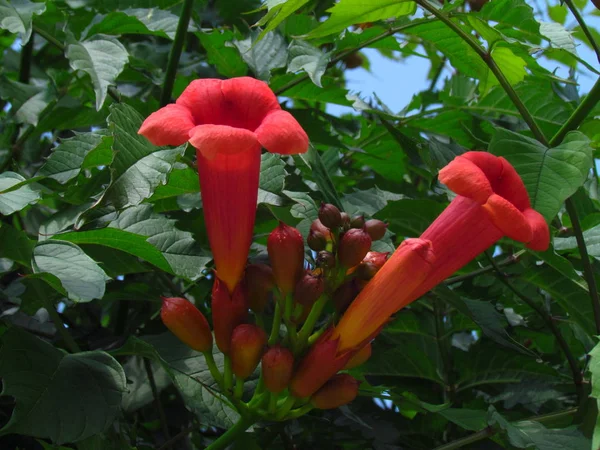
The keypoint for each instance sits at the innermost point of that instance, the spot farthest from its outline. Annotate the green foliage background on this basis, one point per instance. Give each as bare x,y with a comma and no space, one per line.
99,222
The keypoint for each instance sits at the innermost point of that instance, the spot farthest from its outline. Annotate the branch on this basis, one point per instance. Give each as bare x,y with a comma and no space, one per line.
507,262
583,26
25,64
489,61
575,369
232,434
176,50
588,270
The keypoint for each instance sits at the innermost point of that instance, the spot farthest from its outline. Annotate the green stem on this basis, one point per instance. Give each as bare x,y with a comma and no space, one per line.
285,407
60,326
276,324
296,81
260,320
212,366
239,387
272,403
588,270
579,115
25,64
489,61
295,413
182,27
584,27
309,324
227,375
508,261
232,434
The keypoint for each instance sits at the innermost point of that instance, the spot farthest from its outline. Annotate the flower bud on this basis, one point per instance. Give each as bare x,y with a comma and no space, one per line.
316,240
308,290
186,322
329,215
286,253
345,220
326,260
344,295
357,222
375,228
378,259
365,271
359,358
228,311
247,345
354,246
316,225
277,367
339,390
259,282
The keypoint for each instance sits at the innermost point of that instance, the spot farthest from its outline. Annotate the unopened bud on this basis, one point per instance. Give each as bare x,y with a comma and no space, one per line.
354,245
339,390
329,215
186,322
317,226
360,358
316,240
259,282
345,220
277,367
365,271
326,260
286,253
308,290
228,311
247,345
378,259
344,295
357,222
375,228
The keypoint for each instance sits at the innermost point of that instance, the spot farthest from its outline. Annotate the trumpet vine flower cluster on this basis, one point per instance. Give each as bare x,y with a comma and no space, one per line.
303,353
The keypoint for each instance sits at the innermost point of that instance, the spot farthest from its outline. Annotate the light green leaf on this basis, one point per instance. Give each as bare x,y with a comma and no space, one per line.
139,167
181,182
272,173
79,275
409,218
15,200
67,160
103,59
227,60
27,101
179,248
279,10
16,16
65,398
510,14
350,12
511,65
592,241
265,55
312,60
550,175
559,37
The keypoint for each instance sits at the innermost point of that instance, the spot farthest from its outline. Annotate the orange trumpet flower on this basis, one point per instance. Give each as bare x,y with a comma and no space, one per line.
491,203
228,121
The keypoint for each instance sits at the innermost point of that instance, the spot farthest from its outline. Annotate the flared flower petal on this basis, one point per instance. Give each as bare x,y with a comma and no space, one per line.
168,126
213,139
280,133
204,99
248,101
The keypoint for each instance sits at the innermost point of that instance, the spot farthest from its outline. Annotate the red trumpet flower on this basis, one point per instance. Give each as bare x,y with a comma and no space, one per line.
491,203
228,121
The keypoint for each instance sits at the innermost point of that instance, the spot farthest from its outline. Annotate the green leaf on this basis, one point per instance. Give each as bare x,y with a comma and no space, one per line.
65,398
550,175
103,59
319,172
312,60
138,167
67,160
272,173
512,66
467,419
144,21
226,60
459,53
15,200
409,218
16,16
510,14
559,37
278,12
350,12
591,238
15,245
181,182
81,277
179,248
265,55
27,102
368,202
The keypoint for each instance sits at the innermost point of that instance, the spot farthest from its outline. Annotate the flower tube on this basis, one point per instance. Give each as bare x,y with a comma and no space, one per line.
492,202
228,121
